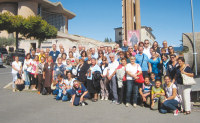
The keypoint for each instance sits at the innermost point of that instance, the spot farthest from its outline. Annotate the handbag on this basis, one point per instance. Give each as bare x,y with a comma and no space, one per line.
141,78
188,80
44,91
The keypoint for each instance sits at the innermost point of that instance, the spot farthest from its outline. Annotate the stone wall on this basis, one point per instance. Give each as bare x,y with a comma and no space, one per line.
68,42
188,41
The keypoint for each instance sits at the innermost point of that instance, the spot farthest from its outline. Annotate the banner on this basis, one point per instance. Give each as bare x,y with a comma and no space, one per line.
133,37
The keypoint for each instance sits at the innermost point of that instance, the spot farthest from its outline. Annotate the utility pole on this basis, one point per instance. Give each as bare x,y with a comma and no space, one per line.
194,42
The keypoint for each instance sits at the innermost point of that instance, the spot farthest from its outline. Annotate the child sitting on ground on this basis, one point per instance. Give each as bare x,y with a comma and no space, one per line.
19,82
79,93
145,91
157,95
152,78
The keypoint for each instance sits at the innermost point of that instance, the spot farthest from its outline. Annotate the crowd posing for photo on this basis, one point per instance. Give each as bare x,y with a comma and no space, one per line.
138,75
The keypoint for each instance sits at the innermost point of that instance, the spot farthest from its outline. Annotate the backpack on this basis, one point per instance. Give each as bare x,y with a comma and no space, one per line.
96,78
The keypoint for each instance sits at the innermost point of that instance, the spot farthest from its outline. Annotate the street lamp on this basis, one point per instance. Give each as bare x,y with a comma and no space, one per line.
194,42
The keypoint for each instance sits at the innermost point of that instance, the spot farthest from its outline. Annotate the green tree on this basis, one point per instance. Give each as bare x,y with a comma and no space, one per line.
33,26
106,40
39,29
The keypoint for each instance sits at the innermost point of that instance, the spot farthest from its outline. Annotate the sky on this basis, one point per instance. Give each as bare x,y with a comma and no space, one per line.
168,18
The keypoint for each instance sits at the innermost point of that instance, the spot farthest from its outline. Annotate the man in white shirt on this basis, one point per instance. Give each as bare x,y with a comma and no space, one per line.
94,54
147,48
112,66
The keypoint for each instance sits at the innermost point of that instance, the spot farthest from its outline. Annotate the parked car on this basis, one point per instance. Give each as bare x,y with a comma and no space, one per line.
4,52
1,60
11,56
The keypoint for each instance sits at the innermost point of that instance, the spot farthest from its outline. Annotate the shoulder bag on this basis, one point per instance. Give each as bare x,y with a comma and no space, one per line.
188,80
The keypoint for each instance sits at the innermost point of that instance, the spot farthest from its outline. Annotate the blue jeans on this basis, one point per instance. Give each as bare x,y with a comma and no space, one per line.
169,105
113,88
132,87
26,75
77,99
64,97
55,92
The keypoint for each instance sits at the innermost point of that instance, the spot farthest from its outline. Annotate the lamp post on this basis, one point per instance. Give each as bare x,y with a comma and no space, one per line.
194,42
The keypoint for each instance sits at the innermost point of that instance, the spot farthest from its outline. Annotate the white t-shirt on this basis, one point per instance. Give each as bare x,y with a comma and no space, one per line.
26,63
147,52
169,91
17,65
69,83
112,67
105,71
132,69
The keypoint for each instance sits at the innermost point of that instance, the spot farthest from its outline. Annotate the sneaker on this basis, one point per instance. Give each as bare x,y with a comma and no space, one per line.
117,103
26,88
176,112
85,103
113,101
134,105
70,100
106,98
127,104
102,98
82,104
14,90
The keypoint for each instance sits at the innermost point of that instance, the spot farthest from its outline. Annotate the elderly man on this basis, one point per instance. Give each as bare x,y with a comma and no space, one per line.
94,54
32,54
37,51
147,48
54,53
60,46
165,46
112,66
109,51
80,49
125,47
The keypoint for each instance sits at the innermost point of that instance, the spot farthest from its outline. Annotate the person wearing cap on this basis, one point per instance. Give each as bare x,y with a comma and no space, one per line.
90,85
79,93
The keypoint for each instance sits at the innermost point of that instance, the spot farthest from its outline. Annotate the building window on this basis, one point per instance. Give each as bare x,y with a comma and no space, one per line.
120,33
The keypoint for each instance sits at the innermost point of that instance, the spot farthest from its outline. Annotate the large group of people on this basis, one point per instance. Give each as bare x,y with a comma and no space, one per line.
130,75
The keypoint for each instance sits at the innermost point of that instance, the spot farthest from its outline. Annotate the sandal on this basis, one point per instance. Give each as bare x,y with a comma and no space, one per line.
94,100
187,113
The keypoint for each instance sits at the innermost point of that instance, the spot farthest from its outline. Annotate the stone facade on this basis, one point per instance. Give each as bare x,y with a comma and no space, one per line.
54,13
187,39
131,19
27,8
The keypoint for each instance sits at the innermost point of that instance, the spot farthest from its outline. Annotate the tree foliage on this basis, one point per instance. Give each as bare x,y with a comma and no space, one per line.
107,40
6,42
33,26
